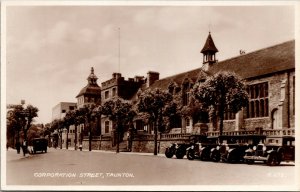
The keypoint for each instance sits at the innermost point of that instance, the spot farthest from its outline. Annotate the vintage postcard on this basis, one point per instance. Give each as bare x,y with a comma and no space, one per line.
149,95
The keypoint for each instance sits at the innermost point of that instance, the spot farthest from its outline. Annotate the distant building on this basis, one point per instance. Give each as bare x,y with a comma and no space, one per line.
59,112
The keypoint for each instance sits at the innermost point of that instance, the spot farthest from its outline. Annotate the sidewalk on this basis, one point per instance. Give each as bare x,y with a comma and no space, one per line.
121,152
11,155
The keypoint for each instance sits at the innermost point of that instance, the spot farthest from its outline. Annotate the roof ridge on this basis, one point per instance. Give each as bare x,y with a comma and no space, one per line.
168,77
258,50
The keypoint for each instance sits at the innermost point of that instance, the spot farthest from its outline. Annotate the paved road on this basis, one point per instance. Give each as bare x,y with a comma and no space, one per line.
68,167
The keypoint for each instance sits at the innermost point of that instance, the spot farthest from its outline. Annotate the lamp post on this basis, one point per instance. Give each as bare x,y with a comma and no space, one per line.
24,113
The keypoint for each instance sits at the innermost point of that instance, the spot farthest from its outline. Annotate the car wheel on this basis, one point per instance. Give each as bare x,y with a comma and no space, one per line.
169,153
190,155
230,158
202,157
215,156
179,154
272,159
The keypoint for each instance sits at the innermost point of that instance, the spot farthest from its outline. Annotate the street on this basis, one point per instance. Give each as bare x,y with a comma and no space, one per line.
69,167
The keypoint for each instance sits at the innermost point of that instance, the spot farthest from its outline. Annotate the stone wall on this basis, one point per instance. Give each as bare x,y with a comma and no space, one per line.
98,144
253,123
146,142
292,91
228,125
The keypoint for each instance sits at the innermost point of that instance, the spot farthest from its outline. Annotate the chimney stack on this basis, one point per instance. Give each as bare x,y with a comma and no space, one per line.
116,75
152,76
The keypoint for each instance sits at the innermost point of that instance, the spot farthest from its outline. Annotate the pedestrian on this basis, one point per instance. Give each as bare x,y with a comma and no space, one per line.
18,146
24,147
130,134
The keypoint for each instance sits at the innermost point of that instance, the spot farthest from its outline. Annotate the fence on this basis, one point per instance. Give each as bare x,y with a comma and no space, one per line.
267,132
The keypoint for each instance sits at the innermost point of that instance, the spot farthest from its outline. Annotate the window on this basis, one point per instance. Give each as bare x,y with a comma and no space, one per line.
106,126
185,94
259,100
294,95
71,107
187,122
228,115
106,94
139,125
114,91
63,111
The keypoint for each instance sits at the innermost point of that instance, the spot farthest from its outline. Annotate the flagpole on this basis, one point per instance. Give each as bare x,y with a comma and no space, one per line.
119,56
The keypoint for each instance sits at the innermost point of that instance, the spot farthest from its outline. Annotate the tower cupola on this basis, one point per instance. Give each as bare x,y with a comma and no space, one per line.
91,93
209,51
92,78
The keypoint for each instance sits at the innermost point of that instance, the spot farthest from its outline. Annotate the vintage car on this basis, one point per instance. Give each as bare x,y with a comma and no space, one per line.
177,149
232,149
39,144
201,149
272,154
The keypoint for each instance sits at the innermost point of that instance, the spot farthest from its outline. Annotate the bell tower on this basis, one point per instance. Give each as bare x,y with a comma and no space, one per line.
209,51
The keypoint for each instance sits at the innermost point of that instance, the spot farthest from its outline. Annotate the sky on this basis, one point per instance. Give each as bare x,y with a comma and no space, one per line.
51,49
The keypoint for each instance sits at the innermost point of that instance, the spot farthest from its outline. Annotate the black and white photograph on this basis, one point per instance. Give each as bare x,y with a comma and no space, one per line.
149,95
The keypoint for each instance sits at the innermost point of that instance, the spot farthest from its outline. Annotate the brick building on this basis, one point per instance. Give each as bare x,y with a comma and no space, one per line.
269,74
117,86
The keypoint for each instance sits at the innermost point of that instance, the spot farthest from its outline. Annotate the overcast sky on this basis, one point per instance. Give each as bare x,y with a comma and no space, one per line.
50,49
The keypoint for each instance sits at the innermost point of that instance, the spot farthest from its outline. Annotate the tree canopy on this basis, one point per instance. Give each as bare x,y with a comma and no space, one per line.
154,102
222,92
20,118
120,112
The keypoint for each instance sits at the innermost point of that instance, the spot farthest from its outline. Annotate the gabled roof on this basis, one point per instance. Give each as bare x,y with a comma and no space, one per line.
192,75
209,45
273,59
269,60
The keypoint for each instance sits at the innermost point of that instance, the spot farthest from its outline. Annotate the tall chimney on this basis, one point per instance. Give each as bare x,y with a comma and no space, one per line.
152,76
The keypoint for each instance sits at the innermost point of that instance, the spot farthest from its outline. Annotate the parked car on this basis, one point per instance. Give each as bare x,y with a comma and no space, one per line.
177,149
232,149
201,150
272,154
39,144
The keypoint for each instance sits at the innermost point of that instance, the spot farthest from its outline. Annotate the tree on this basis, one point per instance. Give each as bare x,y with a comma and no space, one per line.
78,119
57,126
153,102
30,113
221,92
68,120
21,118
120,112
88,112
